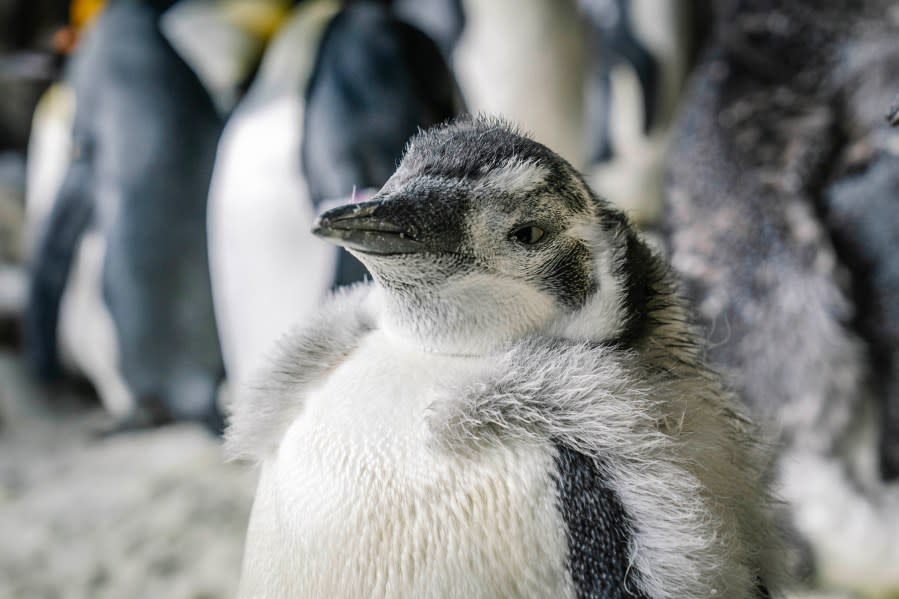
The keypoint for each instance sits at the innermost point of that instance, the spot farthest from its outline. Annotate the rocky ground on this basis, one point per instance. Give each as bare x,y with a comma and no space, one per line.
149,514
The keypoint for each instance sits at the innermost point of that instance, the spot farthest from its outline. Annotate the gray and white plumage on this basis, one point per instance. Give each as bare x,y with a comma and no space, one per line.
502,412
782,220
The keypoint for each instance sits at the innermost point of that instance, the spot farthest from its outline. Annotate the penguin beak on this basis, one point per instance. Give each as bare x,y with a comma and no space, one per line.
364,228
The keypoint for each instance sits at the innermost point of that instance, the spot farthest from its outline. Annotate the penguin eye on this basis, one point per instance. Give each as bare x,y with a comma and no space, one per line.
528,235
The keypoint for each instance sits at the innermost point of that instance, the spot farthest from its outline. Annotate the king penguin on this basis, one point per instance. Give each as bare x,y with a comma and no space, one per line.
515,407
339,92
129,223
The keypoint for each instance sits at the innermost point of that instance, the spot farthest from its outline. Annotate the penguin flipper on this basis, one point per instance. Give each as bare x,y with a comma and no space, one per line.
57,246
302,357
634,446
597,529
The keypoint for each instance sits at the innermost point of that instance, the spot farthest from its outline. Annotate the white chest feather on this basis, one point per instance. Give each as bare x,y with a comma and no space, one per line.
357,503
49,151
86,334
268,271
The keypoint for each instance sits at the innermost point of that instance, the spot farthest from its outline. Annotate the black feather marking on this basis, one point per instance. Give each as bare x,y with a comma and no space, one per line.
568,276
597,529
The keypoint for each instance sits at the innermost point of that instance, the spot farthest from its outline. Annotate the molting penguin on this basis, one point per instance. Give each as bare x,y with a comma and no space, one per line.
130,215
786,232
515,408
338,94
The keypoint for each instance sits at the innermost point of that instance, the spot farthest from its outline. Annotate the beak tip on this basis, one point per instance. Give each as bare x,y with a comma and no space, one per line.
359,227
321,229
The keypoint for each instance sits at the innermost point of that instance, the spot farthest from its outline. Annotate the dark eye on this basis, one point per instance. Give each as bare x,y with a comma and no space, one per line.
528,235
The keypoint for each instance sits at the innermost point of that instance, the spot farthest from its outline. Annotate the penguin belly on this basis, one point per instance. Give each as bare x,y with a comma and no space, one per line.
87,337
268,271
49,154
356,502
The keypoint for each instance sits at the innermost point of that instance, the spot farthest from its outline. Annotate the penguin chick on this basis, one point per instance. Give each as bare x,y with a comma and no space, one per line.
515,407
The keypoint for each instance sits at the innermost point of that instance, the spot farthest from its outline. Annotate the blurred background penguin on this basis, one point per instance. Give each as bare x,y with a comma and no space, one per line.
350,141
128,223
782,215
340,91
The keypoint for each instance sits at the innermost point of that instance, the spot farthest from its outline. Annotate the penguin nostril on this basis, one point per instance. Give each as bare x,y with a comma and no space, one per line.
410,232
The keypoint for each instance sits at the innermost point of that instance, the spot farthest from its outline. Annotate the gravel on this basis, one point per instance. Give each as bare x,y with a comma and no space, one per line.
148,514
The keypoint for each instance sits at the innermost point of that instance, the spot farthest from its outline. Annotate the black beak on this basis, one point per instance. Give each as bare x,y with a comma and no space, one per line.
361,227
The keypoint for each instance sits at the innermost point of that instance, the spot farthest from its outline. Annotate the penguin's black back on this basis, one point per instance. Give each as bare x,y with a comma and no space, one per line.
376,81
158,132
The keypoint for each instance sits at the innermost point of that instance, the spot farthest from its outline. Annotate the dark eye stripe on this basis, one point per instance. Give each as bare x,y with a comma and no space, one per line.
568,276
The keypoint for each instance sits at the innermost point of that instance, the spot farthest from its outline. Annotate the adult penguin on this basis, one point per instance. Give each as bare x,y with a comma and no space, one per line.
339,92
638,63
50,141
221,40
131,209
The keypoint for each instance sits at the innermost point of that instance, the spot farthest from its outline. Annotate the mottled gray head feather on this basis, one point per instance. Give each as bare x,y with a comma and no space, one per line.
690,468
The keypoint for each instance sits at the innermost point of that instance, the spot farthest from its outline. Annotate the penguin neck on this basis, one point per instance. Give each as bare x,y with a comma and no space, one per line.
464,321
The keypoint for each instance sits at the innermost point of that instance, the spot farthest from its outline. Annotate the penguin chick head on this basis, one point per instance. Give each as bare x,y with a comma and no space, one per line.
482,236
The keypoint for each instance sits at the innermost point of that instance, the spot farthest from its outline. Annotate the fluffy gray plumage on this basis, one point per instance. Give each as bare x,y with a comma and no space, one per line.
782,219
258,420
606,365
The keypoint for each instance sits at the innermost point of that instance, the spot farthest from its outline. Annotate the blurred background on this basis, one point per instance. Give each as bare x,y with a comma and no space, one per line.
162,161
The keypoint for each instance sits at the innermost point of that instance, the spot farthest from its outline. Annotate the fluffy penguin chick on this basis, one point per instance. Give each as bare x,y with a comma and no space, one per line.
516,407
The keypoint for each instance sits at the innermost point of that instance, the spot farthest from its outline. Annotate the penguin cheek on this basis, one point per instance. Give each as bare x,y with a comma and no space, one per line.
567,275
414,274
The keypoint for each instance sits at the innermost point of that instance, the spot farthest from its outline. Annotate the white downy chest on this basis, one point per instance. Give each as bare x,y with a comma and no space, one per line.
358,503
